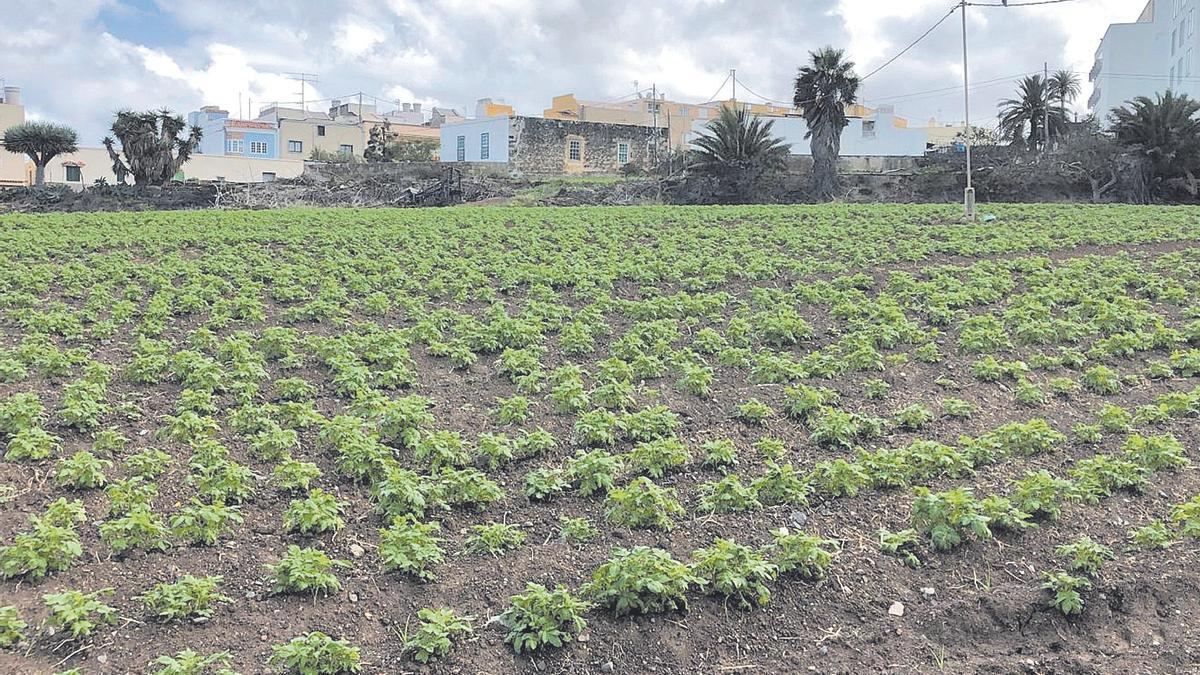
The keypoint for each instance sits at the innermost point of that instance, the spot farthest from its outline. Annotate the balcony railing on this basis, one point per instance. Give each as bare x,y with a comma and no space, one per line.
1095,72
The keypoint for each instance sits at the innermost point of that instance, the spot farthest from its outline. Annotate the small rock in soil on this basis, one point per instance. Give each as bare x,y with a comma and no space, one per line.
606,667
357,551
897,609
928,592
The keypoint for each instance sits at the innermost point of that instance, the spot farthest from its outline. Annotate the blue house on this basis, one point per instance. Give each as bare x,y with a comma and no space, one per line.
241,138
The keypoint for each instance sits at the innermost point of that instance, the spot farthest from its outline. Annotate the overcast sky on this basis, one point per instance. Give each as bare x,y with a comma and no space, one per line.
77,61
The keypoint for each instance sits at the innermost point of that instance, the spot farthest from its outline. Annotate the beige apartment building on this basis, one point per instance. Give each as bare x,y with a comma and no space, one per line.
12,166
83,167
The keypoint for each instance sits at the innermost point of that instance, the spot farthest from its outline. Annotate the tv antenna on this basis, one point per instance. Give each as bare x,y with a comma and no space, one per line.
303,79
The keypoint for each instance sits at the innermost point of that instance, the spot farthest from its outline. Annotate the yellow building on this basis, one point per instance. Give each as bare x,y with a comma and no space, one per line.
486,107
12,113
83,167
676,117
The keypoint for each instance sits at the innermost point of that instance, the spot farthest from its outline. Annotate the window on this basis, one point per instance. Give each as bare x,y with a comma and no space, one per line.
74,175
258,147
1174,40
683,111
622,154
268,177
234,146
485,142
320,129
295,146
346,149
462,148
575,150
868,128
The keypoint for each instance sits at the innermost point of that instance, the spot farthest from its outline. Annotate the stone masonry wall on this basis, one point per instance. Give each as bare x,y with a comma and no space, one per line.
540,147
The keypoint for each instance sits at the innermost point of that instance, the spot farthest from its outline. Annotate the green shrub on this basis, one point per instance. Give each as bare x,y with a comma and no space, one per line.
642,580
188,662
804,555
540,617
544,484
315,654
319,512
203,524
81,471
141,528
643,504
12,627
411,547
734,571
1065,591
189,597
494,539
79,613
655,458
594,471
438,629
947,516
727,495
577,530
302,570
1085,555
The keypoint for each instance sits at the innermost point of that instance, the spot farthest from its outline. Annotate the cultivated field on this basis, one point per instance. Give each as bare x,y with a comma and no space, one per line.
772,439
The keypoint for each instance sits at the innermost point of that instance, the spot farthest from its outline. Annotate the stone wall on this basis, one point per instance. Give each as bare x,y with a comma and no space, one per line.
541,147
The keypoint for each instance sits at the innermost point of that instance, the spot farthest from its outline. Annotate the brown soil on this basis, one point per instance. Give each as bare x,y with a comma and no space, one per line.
986,613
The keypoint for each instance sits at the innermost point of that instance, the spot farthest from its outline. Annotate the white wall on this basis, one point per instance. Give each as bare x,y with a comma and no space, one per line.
887,140
96,164
1138,59
471,131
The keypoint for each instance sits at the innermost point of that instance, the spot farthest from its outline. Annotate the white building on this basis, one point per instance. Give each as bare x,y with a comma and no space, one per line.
1147,57
877,135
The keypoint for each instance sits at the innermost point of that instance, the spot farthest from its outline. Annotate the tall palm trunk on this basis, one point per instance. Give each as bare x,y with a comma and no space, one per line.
826,144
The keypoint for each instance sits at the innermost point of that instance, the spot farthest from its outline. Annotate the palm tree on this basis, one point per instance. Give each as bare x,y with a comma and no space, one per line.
740,153
1065,87
1164,132
41,142
822,92
1032,108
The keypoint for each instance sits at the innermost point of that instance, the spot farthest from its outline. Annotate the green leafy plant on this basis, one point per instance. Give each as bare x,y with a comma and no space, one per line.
434,637
304,570
189,662
12,627
189,597
727,495
641,580
319,512
754,412
544,484
655,458
1153,536
735,571
902,545
1064,589
494,539
577,530
81,471
411,547
1186,517
947,516
594,471
203,524
805,555
540,617
79,613
642,503
1085,555
140,528
315,654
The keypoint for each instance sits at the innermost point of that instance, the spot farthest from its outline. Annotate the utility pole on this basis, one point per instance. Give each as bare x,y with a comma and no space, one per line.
969,193
654,111
303,78
1045,106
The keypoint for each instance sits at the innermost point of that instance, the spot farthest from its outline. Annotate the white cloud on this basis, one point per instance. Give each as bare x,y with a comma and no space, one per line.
525,51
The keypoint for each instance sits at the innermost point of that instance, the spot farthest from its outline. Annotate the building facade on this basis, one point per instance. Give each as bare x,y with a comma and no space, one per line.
83,167
677,118
223,135
12,113
1155,53
875,135
536,146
